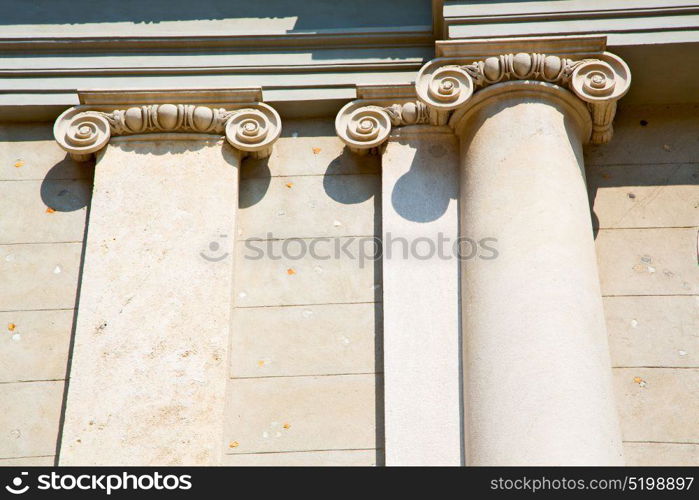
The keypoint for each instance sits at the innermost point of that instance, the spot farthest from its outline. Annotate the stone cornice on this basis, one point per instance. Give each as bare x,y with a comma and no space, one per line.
396,37
248,125
569,46
622,19
580,65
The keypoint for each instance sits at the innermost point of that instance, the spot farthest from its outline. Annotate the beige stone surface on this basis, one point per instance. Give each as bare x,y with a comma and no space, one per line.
39,273
634,196
309,206
149,364
421,338
669,136
39,276
287,281
301,413
306,334
46,461
29,413
648,261
654,162
32,146
310,147
339,458
658,404
644,179
43,211
34,345
653,330
306,340
667,454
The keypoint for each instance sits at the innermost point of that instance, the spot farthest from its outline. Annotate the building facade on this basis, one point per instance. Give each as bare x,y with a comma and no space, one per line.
361,233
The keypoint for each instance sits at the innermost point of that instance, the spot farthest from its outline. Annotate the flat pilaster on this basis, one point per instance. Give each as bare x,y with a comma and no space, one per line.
148,371
421,298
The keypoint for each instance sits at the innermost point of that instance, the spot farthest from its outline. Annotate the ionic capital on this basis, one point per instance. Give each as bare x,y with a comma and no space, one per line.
445,84
251,127
364,124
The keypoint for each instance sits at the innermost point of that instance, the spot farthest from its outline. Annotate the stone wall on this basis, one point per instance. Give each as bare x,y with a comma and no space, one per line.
43,206
305,383
305,373
644,188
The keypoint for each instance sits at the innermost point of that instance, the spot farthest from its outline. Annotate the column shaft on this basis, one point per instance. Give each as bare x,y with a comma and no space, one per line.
537,373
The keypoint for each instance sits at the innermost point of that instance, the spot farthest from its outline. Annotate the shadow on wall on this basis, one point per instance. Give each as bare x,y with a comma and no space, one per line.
379,398
62,192
252,168
608,167
416,196
599,177
349,194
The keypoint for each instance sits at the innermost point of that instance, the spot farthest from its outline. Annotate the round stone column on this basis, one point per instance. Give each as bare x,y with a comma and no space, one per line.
537,372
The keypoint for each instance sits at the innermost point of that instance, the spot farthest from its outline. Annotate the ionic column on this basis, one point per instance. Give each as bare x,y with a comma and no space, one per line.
535,363
537,372
149,360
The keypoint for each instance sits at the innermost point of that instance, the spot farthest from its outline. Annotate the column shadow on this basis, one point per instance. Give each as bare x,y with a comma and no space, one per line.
631,177
348,193
255,178
69,203
416,198
62,190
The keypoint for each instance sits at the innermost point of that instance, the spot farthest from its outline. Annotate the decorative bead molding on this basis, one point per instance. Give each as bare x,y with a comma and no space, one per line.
445,84
84,130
